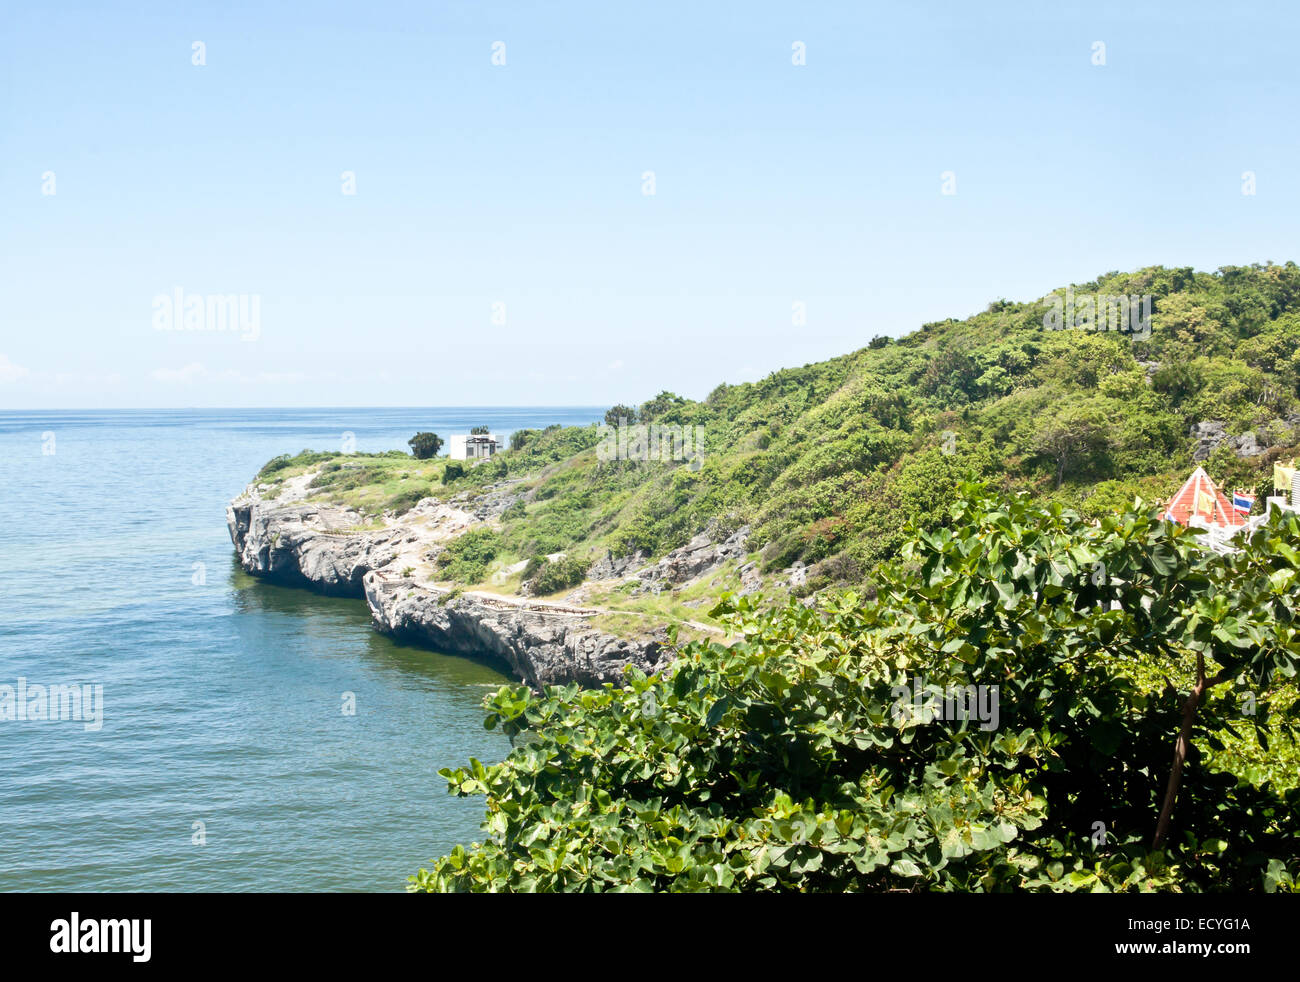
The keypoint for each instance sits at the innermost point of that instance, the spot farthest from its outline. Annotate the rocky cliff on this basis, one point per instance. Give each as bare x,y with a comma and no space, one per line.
294,541
540,643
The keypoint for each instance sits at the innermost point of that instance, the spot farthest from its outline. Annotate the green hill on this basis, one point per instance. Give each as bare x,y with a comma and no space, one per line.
827,462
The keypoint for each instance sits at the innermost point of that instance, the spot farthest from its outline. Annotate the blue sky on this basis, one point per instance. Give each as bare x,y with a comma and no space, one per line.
521,185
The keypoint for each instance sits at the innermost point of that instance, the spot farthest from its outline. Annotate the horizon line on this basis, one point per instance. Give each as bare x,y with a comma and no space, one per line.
180,409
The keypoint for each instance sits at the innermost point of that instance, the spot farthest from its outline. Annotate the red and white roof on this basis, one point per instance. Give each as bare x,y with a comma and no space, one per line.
1199,498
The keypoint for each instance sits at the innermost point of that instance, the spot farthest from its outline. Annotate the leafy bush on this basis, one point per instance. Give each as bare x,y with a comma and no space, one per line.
467,557
551,576
453,471
273,466
796,758
277,464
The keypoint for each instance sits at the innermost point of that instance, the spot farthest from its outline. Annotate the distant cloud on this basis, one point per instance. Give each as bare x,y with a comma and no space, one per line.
9,372
616,366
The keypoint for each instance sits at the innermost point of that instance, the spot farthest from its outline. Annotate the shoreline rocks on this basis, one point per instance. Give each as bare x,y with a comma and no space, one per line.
540,644
294,542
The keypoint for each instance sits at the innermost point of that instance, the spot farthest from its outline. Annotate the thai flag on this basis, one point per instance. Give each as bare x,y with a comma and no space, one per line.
1242,502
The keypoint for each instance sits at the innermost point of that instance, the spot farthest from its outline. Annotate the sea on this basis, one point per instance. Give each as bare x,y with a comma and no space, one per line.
219,733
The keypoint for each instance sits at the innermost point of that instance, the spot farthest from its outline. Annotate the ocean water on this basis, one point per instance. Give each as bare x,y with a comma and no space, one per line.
224,760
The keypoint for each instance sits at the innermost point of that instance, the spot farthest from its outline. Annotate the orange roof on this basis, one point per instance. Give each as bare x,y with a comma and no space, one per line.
1199,498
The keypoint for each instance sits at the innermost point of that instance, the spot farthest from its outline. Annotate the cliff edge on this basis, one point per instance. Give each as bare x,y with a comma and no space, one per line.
295,541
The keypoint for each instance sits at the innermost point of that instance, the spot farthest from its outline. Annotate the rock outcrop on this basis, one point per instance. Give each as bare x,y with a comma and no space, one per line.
291,540
296,542
611,567
1212,433
541,644
697,557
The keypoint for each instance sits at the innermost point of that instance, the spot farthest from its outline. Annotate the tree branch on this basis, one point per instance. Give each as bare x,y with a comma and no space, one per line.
1181,748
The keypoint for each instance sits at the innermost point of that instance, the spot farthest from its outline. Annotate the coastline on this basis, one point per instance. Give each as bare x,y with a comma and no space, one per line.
339,551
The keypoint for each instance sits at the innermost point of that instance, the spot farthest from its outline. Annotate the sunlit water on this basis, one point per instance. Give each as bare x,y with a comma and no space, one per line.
223,696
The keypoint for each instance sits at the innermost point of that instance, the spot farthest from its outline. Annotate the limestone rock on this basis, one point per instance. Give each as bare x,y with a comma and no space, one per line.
611,567
337,551
541,644
697,557
1208,435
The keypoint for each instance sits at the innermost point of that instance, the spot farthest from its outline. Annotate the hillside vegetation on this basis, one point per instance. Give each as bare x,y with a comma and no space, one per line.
826,463
792,759
1000,717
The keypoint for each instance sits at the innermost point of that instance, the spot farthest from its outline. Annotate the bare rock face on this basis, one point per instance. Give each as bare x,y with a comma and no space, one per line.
1212,433
1248,445
288,545
750,578
698,556
299,543
1208,435
613,567
541,644
492,500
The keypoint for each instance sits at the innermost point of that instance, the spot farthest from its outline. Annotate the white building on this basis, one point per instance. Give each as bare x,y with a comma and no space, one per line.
473,446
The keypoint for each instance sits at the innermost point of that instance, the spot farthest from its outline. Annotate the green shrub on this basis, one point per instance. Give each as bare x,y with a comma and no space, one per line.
454,470
551,576
277,464
467,557
795,759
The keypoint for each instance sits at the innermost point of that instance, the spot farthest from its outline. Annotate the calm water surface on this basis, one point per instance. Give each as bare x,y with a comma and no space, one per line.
222,695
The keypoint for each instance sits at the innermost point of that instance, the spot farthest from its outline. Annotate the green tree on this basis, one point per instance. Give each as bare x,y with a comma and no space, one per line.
425,445
663,403
620,414
1070,435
